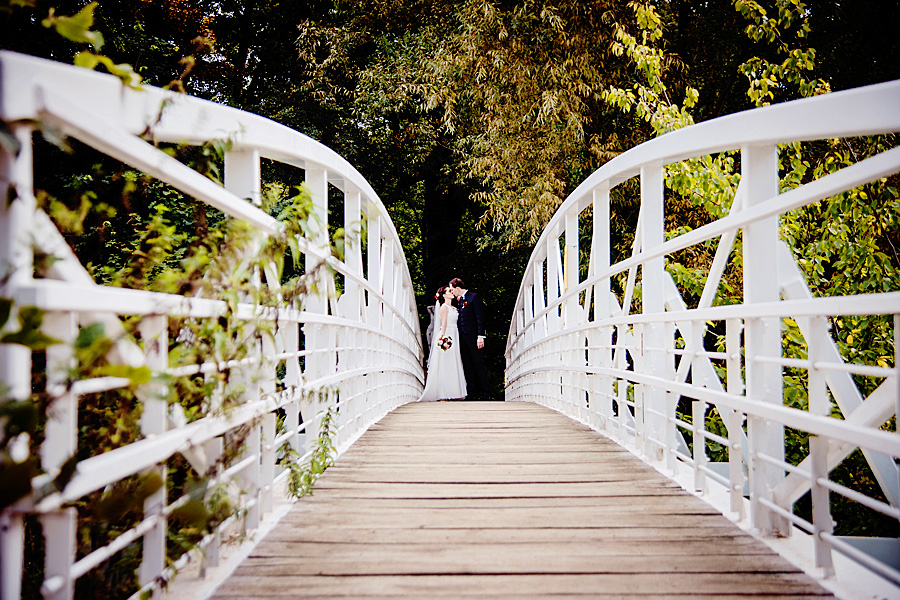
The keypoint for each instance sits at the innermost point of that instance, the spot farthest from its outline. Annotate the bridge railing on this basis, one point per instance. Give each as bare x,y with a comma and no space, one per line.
654,379
350,350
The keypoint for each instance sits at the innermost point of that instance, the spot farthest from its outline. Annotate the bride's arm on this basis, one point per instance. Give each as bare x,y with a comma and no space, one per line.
444,310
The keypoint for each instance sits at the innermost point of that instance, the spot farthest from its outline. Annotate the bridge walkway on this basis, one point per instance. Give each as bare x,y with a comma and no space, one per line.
504,500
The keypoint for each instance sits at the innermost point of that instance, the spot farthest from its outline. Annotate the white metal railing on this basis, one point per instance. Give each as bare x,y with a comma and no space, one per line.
362,344
574,346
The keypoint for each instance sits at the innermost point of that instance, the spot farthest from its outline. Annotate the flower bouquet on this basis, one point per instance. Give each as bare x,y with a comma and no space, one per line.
444,342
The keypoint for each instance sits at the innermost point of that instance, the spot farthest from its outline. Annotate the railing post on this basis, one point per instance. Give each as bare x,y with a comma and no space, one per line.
250,476
528,300
388,266
897,378
290,335
897,392
671,432
819,404
698,424
315,335
600,259
154,334
16,265
600,252
242,174
540,328
698,407
61,434
352,252
653,293
638,331
373,266
735,427
735,385
571,273
350,302
267,463
12,549
622,411
553,272
211,554
759,177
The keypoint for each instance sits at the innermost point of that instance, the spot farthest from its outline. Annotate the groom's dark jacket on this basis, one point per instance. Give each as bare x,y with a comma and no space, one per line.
471,316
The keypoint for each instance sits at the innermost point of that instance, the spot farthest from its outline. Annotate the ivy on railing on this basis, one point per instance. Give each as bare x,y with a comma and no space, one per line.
213,257
303,474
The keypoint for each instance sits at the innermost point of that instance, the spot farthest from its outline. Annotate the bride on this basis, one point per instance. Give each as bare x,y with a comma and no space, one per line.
445,373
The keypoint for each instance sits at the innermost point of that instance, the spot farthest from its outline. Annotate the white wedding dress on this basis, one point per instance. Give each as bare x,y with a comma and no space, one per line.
445,379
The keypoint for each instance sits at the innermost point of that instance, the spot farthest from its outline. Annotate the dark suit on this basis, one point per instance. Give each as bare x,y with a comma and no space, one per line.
471,325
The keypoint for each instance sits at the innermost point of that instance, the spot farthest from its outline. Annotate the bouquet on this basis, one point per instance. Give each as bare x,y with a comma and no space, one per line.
444,342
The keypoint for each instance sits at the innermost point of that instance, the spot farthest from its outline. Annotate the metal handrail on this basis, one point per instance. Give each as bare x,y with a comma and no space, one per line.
366,348
574,345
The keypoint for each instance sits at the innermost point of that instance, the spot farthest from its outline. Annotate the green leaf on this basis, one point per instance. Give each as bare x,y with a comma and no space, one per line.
77,27
21,417
16,478
66,472
193,513
137,375
5,308
8,141
148,485
90,335
126,497
30,319
123,71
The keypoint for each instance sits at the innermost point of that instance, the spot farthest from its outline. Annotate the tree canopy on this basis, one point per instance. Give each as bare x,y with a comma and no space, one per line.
473,120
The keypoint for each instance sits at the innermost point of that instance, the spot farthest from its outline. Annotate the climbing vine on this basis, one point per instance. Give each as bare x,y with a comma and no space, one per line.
303,474
844,245
135,232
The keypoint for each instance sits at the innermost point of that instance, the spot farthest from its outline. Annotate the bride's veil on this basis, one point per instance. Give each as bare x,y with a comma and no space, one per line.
435,321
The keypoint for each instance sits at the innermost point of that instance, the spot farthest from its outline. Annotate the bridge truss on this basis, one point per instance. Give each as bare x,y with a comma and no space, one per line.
618,346
351,347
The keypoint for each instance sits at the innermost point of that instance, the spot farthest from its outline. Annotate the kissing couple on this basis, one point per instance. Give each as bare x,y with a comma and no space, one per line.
456,366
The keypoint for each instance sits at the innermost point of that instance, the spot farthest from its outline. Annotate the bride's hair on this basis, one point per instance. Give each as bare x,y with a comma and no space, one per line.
439,295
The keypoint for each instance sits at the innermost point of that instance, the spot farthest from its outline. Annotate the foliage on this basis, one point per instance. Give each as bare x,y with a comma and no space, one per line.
472,119
768,78
164,242
19,418
845,245
303,474
520,86
217,265
77,28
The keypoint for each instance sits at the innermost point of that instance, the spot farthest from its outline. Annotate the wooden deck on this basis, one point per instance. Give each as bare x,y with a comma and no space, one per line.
504,500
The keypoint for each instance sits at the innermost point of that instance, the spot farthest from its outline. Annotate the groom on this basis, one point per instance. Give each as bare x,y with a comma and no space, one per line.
472,332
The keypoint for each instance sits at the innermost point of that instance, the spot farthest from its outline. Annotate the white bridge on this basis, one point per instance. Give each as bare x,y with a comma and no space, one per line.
354,345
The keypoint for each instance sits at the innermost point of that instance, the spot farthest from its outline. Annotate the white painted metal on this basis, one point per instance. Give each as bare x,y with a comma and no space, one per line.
630,378
364,346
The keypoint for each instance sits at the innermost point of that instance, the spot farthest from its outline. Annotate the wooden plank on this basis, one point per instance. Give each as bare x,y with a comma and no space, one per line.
527,561
524,471
437,595
681,503
497,490
691,585
504,500
441,459
501,519
315,533
648,547
470,476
